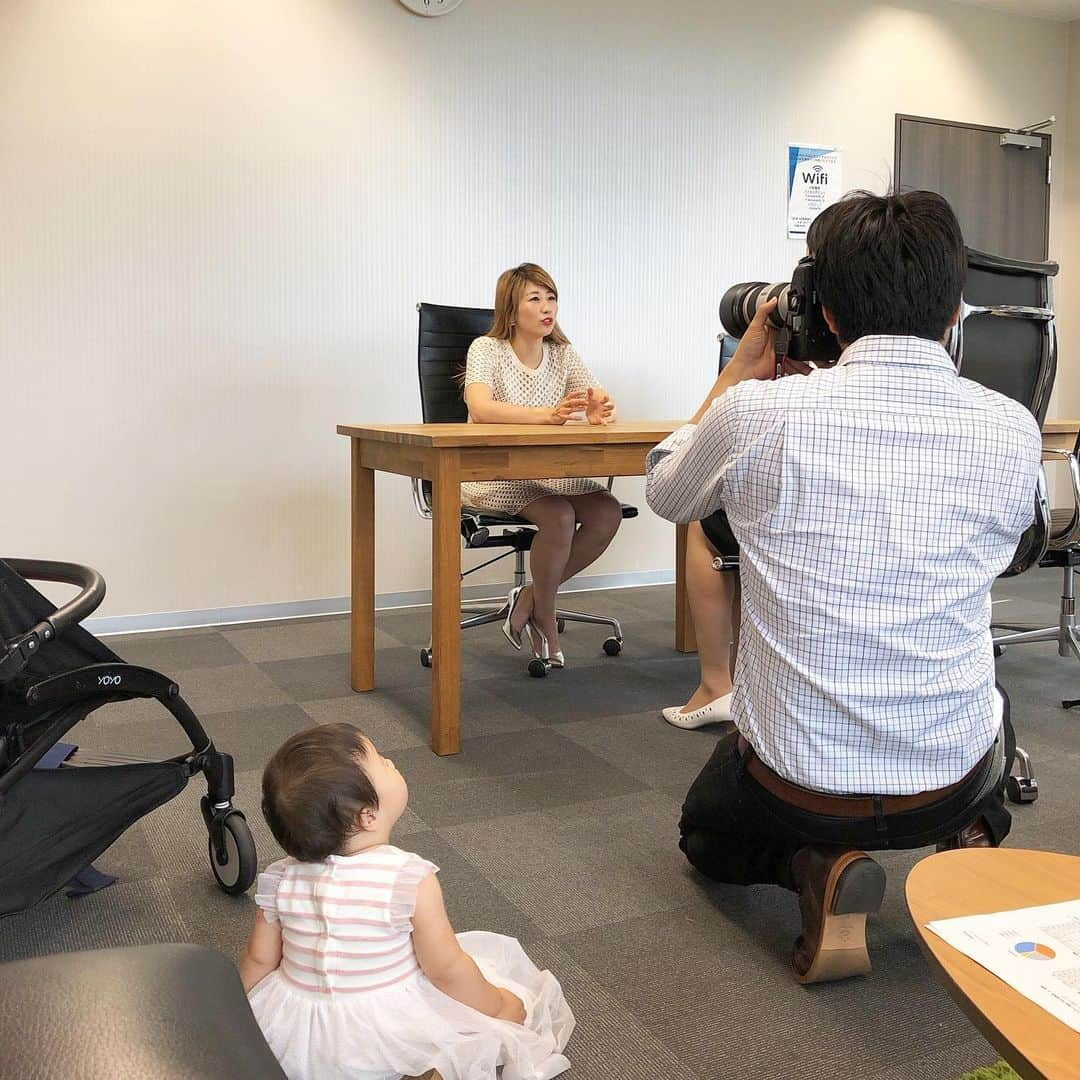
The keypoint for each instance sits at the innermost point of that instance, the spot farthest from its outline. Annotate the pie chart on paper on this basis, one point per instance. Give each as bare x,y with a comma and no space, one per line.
1034,950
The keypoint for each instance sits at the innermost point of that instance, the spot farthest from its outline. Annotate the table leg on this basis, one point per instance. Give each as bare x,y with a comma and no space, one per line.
363,572
446,604
685,638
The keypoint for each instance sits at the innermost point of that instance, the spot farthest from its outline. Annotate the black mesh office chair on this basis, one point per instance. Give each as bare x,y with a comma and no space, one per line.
988,350
445,335
1006,340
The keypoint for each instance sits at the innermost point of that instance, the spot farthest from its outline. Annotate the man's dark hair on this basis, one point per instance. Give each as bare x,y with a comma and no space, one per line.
891,264
314,789
816,233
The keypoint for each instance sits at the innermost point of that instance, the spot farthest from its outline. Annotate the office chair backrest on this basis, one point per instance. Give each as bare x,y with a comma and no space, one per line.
1017,356
443,344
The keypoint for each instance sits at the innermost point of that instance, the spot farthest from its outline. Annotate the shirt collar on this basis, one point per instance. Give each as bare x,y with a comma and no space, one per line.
896,349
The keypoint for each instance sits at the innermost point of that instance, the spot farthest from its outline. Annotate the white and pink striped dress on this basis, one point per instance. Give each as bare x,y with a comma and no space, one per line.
349,998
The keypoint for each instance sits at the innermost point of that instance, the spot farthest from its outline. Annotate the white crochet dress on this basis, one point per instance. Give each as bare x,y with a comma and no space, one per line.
561,371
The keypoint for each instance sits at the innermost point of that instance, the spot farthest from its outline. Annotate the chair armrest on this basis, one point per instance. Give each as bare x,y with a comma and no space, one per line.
1069,458
1074,471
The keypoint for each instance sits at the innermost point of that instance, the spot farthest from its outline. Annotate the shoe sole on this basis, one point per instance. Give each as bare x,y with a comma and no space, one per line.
855,888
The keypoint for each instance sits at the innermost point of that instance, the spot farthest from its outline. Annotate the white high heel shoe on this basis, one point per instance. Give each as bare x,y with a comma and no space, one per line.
556,659
512,635
718,711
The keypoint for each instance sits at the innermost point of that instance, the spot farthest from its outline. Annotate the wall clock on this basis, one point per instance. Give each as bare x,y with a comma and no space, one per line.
431,7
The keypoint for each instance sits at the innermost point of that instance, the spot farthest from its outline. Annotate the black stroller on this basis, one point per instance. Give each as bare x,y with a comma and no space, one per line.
55,821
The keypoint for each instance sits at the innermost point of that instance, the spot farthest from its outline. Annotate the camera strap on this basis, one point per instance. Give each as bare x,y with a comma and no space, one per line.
781,344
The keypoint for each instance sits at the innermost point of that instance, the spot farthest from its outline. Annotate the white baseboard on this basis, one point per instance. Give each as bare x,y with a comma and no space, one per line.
339,605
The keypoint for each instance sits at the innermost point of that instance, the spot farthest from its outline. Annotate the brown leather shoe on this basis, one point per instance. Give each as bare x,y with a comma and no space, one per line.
837,890
977,834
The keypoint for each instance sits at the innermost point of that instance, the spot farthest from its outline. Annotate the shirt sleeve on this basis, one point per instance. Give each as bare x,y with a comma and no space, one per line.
685,473
578,376
266,889
480,363
403,896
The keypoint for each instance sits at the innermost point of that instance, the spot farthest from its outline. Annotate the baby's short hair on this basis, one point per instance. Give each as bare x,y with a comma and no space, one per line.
314,788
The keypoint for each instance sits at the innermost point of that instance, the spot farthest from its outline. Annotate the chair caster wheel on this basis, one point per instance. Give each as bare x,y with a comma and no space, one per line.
1022,789
537,668
425,658
612,646
560,625
999,650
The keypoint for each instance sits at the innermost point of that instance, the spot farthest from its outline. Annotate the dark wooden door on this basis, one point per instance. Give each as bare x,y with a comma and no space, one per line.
1001,194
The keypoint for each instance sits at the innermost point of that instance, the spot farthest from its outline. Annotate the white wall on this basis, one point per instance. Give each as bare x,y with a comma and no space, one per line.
215,219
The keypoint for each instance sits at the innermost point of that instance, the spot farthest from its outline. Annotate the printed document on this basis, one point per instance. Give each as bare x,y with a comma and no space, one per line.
1035,950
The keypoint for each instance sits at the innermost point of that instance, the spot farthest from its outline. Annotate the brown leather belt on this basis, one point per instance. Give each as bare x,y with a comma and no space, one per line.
856,806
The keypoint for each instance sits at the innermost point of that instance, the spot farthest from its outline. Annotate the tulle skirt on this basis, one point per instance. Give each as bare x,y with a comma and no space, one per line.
411,1027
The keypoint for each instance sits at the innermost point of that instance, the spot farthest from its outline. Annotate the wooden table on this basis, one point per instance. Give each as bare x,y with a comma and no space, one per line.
447,454
1060,434
978,881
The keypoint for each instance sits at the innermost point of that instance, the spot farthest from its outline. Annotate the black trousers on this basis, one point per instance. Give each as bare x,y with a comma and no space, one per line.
735,831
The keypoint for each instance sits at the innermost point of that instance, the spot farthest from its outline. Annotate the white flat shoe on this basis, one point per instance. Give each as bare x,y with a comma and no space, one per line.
717,711
512,635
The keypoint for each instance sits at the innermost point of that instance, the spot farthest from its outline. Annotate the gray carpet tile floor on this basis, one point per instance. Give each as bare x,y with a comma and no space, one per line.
557,824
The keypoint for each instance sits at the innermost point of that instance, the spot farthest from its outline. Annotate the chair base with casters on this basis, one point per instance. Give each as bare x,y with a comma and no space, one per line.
477,530
1067,632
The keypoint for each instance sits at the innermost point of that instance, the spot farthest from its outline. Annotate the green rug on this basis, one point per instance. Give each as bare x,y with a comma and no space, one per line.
1002,1070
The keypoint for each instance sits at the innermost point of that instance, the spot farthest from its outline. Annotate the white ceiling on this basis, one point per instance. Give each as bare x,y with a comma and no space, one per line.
1065,10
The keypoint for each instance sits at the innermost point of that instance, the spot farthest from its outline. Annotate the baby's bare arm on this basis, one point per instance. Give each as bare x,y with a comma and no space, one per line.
448,965
262,953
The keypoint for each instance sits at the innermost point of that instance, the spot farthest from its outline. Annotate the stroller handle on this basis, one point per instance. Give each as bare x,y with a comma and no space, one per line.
90,583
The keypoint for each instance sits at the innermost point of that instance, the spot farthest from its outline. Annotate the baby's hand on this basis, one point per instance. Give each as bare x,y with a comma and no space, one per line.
512,1008
599,408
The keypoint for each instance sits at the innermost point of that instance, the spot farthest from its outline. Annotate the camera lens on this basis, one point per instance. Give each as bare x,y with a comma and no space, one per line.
740,303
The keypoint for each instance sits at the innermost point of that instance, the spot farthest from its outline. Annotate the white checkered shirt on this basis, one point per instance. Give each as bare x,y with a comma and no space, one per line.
875,503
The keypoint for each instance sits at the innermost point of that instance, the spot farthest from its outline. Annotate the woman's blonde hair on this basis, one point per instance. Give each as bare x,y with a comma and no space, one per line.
512,283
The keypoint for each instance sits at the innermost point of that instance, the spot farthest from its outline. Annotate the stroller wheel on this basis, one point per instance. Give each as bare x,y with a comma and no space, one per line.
237,872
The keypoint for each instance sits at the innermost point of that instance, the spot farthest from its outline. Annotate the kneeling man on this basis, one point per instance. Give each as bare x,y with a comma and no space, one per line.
875,502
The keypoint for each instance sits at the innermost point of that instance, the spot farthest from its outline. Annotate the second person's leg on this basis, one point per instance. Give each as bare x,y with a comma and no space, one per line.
714,604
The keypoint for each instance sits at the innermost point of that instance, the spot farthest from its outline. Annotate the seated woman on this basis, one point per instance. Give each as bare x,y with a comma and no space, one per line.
525,371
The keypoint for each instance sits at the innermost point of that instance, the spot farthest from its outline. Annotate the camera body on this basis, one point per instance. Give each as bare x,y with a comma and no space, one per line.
798,311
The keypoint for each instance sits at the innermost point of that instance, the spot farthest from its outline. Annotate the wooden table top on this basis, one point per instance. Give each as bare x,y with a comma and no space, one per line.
626,431
451,435
979,881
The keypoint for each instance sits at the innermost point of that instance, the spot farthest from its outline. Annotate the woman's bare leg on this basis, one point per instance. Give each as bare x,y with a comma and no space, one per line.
555,521
714,604
595,518
599,516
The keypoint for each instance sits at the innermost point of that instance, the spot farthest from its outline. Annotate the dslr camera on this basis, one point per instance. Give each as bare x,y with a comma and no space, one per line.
803,333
